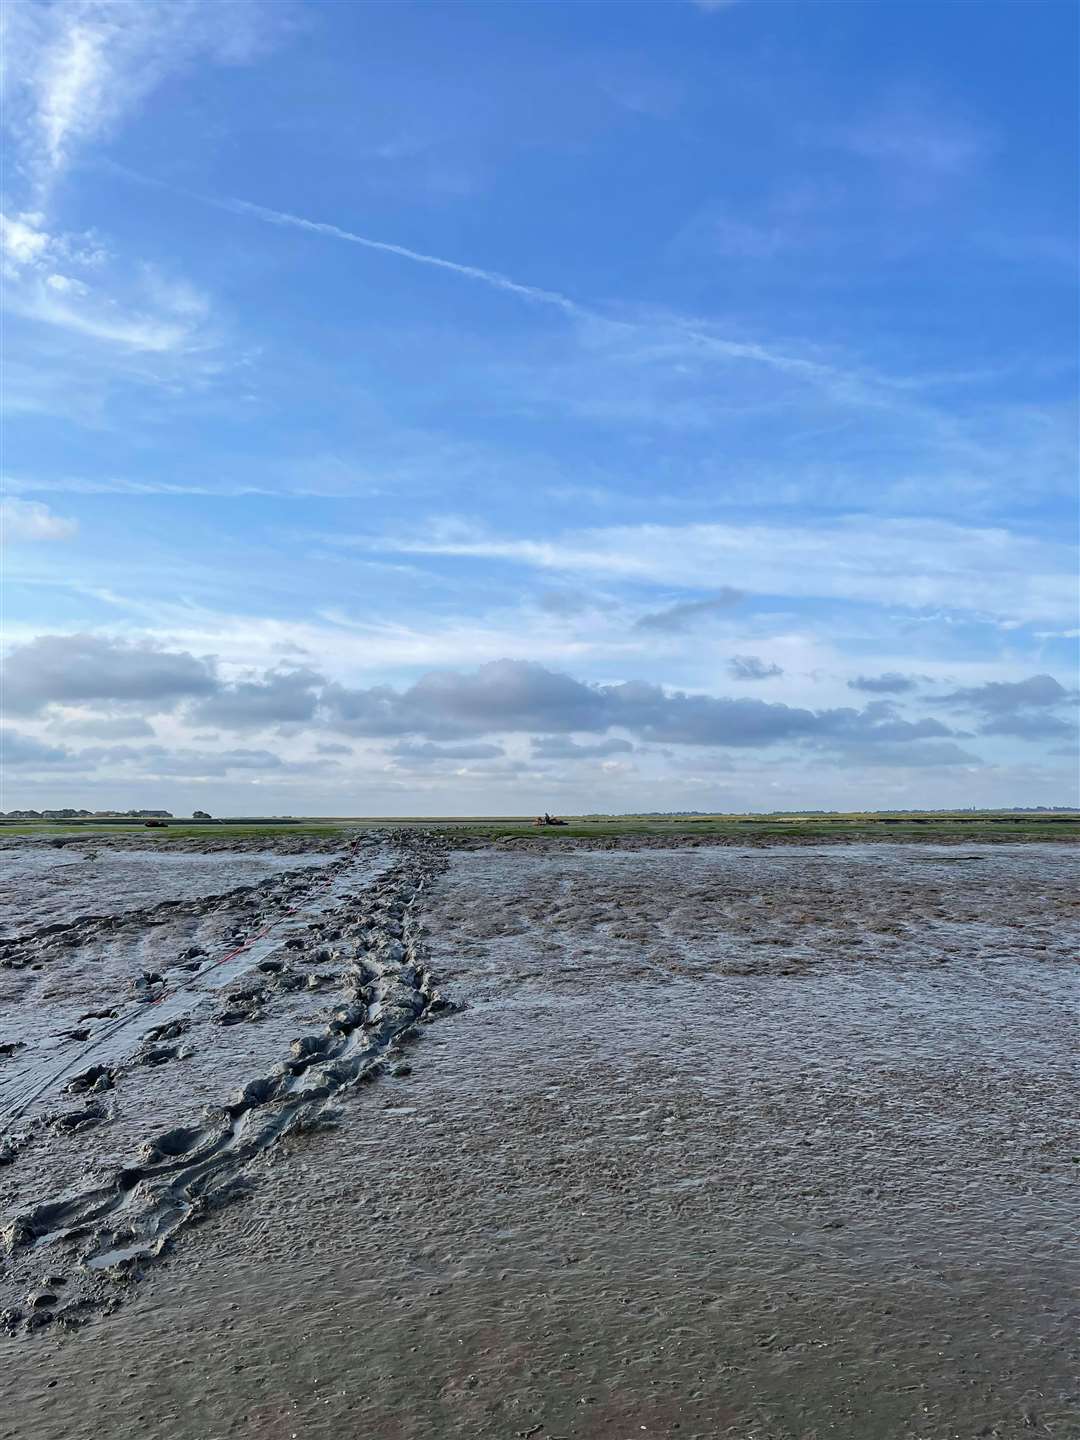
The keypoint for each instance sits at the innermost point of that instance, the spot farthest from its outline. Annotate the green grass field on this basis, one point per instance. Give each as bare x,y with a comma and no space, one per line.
995,826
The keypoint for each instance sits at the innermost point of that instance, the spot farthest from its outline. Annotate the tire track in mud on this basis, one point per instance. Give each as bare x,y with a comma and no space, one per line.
111,1232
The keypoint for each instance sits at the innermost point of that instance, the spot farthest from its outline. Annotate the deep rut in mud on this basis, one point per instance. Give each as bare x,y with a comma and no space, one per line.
96,1238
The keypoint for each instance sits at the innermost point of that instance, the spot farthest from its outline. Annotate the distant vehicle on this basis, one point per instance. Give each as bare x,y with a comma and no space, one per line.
547,819
156,824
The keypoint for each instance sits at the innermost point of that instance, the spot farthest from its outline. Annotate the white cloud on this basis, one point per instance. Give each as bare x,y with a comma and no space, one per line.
910,131
31,520
22,242
75,69
28,250
100,318
918,142
149,310
907,562
65,285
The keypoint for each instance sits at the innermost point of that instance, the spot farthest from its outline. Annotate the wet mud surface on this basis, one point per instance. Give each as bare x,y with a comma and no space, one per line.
333,949
762,1144
42,887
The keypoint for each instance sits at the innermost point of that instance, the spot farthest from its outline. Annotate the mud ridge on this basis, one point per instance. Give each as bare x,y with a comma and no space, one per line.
110,1232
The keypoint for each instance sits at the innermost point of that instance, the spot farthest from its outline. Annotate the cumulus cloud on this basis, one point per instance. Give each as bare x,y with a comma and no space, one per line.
19,751
1005,696
450,713
376,712
559,747
917,754
510,695
1029,725
675,718
31,520
688,613
752,667
72,669
107,727
430,754
193,764
25,753
504,695
520,696
281,697
1021,709
891,683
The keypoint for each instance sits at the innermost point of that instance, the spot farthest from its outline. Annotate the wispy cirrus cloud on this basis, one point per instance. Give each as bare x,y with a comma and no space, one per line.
674,619
73,72
906,562
66,282
75,69
910,129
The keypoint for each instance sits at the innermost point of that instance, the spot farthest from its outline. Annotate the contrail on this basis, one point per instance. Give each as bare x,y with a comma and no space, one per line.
493,278
732,350
471,272
809,370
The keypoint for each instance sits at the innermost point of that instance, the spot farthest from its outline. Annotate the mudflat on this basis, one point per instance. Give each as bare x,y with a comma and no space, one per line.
395,1139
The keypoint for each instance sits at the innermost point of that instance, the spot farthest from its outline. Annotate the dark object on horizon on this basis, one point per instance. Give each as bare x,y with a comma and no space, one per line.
156,824
200,815
547,819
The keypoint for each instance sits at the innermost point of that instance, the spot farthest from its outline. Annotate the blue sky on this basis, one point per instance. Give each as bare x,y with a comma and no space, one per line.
488,408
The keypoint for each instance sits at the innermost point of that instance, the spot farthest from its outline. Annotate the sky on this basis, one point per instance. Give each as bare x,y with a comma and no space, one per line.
481,409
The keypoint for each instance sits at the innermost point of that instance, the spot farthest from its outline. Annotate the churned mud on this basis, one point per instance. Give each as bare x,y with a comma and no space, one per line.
45,888
335,949
771,1144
